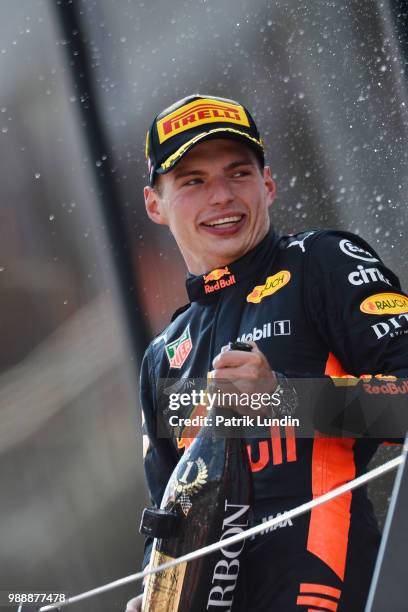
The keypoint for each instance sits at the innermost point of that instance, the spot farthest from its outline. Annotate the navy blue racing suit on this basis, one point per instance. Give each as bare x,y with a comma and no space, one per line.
317,303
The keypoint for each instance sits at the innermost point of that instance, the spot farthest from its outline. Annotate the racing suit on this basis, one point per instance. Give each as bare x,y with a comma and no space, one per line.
317,303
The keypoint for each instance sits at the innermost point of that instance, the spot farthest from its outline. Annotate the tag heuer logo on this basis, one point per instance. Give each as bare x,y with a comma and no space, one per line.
178,350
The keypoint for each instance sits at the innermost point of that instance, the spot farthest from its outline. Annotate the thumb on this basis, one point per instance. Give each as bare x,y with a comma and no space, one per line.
254,345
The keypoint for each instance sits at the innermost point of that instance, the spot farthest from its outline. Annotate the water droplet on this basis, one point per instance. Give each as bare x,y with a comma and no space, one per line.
65,302
4,129
51,217
2,268
37,175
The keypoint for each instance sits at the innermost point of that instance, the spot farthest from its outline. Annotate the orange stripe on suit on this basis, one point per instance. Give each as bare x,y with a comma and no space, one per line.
332,465
326,604
321,589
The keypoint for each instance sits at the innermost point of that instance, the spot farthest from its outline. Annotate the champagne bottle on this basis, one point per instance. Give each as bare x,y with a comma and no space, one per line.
207,499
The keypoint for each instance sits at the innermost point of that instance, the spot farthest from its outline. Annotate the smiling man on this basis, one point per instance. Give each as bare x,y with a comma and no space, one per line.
215,205
316,304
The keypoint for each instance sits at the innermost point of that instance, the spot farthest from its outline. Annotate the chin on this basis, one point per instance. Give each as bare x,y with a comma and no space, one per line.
230,251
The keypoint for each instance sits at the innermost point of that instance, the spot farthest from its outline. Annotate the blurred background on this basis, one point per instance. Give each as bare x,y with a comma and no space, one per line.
86,280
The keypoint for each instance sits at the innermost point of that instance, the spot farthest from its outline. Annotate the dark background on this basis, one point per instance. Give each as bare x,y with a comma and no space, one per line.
326,82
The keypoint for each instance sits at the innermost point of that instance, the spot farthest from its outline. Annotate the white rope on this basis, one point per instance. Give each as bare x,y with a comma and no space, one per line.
264,526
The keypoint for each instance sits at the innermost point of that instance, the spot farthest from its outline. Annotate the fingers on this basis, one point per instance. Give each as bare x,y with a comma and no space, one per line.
243,372
234,359
135,604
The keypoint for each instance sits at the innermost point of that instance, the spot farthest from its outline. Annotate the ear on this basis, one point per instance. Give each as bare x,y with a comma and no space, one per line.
154,206
270,185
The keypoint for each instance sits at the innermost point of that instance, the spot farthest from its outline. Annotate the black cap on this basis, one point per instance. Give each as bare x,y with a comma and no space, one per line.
194,119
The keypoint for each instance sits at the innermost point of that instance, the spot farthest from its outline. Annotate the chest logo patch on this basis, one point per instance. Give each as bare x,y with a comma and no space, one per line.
216,277
178,350
385,303
271,286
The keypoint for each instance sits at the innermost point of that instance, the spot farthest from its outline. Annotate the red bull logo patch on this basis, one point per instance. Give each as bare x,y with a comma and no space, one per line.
178,350
216,276
199,112
384,304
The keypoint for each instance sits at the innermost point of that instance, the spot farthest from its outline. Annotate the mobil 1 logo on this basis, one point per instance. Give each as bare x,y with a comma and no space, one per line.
281,328
274,328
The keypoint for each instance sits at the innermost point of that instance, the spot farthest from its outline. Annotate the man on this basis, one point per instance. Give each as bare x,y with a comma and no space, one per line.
318,303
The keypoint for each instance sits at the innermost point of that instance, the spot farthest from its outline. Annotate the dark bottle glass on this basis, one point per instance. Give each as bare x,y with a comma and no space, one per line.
206,500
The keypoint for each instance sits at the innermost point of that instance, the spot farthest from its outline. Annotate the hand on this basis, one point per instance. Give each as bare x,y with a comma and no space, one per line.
243,372
135,604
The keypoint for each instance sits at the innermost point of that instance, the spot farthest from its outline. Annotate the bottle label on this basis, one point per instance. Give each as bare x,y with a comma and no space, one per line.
226,570
163,590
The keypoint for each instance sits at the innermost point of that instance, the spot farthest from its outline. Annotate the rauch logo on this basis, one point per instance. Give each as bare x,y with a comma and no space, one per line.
385,303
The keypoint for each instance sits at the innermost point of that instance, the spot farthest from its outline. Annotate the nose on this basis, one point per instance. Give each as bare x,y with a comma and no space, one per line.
220,191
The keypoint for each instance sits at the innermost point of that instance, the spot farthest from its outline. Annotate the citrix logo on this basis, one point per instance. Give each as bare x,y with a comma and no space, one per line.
366,275
280,328
394,327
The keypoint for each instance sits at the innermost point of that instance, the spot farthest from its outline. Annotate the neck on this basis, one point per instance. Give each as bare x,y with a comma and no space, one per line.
197,266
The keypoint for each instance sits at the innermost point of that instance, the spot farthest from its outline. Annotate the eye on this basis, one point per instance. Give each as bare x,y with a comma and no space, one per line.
192,181
241,173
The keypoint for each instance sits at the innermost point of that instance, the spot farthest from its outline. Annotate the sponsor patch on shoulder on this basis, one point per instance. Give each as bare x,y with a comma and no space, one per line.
272,285
384,304
352,250
178,350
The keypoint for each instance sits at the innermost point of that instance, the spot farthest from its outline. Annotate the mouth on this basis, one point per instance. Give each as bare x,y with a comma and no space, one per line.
229,224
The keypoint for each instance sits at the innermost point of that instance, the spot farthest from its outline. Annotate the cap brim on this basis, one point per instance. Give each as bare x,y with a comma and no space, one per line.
222,132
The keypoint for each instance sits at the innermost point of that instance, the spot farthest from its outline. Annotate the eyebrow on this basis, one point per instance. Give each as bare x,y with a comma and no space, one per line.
187,172
247,161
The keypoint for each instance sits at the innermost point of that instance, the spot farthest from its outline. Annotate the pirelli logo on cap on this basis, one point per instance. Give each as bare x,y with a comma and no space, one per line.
200,112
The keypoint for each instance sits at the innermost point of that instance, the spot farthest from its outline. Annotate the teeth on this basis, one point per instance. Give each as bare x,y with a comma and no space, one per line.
224,220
